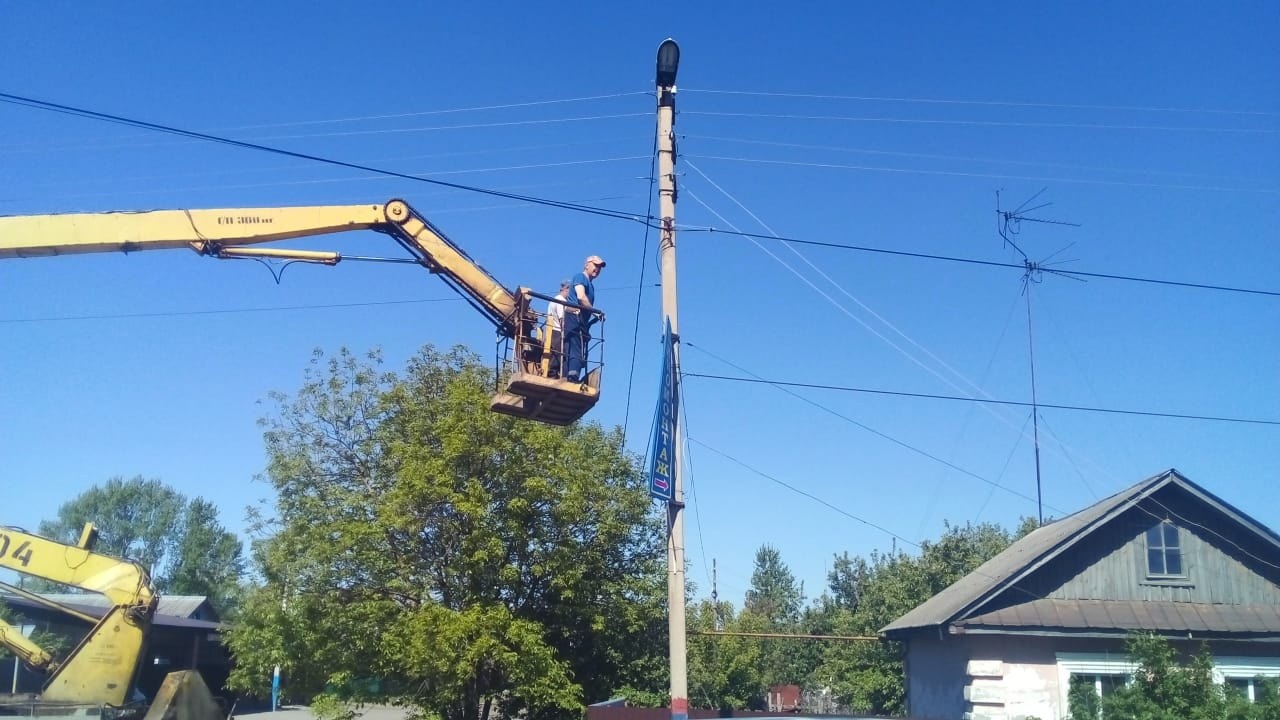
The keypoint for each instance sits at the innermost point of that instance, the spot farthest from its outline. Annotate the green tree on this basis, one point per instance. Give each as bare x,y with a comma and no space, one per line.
427,550
724,670
774,593
137,518
773,604
1162,688
208,560
868,593
179,540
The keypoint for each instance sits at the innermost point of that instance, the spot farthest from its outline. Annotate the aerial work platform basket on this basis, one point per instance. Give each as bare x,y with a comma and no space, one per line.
531,362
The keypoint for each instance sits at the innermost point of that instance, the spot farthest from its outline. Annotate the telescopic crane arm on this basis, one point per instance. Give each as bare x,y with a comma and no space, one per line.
227,233
231,233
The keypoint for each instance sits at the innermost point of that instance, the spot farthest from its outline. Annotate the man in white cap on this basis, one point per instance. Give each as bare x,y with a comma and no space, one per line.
555,328
577,323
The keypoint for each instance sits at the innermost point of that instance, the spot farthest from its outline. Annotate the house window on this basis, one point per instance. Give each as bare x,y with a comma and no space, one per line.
1086,677
1244,685
1164,551
1103,684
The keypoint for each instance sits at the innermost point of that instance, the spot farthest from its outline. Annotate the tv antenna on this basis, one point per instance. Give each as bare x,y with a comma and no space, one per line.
1009,225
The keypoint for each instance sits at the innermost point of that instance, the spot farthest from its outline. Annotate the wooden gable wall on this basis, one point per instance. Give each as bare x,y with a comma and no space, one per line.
1222,561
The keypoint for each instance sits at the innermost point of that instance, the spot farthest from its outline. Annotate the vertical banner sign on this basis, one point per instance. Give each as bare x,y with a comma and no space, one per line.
661,471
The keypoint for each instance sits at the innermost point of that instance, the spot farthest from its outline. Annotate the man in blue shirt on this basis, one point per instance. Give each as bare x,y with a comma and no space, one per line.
577,323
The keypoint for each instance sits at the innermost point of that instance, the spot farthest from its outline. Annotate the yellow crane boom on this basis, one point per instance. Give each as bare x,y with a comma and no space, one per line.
229,233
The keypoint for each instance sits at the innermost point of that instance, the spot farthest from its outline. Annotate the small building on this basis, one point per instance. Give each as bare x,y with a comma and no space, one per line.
783,699
185,635
1163,556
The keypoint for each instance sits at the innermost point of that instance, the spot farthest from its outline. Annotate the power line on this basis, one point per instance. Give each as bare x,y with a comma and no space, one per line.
974,261
107,117
919,546
806,494
605,212
644,255
1075,518
900,443
785,636
889,341
302,123
219,311
960,158
995,176
464,126
1016,403
234,311
982,123
986,103
422,113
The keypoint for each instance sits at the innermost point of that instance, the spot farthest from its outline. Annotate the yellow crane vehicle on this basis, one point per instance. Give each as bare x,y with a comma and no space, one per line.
526,387
96,677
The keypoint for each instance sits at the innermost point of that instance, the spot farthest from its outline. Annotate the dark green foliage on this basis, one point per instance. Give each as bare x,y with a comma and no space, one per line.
724,671
1083,700
179,540
865,594
467,560
772,605
1166,688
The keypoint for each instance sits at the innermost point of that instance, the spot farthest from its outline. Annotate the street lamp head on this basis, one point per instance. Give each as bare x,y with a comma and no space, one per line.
668,62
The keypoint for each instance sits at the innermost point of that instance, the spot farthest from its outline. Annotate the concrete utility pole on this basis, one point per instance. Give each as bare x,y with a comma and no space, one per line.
668,64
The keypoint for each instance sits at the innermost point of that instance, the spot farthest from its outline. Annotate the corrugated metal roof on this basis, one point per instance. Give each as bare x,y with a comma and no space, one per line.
183,606
98,609
1001,573
1122,615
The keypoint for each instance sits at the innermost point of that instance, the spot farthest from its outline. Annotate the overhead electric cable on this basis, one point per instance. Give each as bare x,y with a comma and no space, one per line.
221,311
232,311
264,126
960,158
687,456
644,255
107,117
989,103
464,126
805,493
981,123
963,379
866,308
851,516
423,113
1015,403
900,443
995,176
973,261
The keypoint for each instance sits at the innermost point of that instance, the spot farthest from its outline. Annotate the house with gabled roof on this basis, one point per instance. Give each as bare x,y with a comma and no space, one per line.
1164,556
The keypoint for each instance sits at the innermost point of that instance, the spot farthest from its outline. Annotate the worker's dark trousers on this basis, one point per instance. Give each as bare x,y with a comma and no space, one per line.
577,335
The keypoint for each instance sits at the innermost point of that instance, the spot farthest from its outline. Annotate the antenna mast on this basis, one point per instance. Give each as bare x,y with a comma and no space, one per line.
1009,225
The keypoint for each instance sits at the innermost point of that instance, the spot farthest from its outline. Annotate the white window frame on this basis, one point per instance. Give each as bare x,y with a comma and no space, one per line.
1224,666
1088,664
1245,668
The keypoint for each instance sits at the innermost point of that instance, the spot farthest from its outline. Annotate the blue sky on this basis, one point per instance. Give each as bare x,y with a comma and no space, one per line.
1154,127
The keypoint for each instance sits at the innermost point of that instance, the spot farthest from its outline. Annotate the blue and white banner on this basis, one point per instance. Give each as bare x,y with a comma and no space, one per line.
662,462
